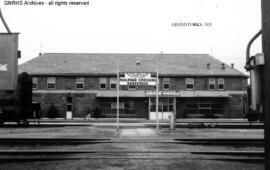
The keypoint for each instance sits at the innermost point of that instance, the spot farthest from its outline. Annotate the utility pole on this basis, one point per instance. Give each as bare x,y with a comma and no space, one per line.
265,5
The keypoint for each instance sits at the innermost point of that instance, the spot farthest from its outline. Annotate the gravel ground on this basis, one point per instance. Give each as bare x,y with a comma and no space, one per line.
128,160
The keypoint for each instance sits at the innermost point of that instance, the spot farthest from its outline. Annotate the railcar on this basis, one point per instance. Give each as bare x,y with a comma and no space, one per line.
15,90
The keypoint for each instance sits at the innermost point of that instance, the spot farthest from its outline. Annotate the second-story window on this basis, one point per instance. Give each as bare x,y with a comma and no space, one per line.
80,83
189,84
212,83
221,84
166,84
51,82
103,83
112,83
34,82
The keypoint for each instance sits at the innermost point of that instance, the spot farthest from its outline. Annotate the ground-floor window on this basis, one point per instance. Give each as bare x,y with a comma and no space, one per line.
204,107
109,106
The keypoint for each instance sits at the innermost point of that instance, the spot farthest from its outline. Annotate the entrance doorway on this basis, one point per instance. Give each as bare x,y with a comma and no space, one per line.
69,107
69,111
165,108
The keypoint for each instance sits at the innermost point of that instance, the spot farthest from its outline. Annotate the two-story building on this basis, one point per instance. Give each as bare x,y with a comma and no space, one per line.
191,85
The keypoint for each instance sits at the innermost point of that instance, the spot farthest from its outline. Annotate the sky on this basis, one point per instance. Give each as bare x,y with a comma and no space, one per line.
137,26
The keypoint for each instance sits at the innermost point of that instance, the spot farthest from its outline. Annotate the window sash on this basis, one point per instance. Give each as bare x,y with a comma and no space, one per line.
34,86
102,83
102,86
50,79
221,84
113,86
34,79
166,86
34,82
211,83
189,83
50,85
112,83
79,85
51,82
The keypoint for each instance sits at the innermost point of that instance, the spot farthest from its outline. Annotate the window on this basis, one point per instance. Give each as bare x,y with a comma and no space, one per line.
212,83
80,83
112,83
103,83
166,84
50,82
114,105
189,84
221,84
34,82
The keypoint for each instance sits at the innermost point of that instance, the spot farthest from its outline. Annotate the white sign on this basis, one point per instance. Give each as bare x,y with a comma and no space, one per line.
163,93
140,79
3,67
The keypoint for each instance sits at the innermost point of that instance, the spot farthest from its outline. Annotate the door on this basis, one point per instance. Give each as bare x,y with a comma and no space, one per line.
69,111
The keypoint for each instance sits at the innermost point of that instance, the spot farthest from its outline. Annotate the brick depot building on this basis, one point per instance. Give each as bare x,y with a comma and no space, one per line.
191,85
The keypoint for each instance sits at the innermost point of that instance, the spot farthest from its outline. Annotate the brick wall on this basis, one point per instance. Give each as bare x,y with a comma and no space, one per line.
86,101
92,83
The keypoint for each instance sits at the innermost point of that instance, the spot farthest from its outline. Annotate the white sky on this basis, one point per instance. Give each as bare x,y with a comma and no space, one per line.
138,26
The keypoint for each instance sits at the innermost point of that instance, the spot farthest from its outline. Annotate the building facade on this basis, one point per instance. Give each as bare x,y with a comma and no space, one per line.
190,85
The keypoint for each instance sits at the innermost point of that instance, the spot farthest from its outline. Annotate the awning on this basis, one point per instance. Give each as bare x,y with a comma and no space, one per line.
183,93
143,93
122,93
205,93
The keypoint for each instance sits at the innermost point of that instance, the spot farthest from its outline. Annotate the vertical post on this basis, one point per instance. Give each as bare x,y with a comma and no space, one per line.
157,124
173,115
117,98
265,5
149,107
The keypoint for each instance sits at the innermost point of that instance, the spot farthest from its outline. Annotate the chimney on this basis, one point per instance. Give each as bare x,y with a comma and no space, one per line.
232,65
223,66
208,66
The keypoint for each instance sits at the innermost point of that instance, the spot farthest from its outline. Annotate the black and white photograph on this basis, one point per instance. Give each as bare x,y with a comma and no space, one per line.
134,85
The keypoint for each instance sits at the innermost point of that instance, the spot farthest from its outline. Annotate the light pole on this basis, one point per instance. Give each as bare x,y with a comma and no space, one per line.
157,91
117,98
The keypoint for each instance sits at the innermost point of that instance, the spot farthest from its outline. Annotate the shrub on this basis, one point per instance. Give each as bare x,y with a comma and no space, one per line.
52,111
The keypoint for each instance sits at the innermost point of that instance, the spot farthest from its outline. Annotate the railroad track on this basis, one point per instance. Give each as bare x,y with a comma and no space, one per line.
70,141
38,155
62,153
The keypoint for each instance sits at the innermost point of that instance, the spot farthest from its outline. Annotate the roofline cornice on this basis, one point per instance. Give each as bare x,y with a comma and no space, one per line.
161,75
